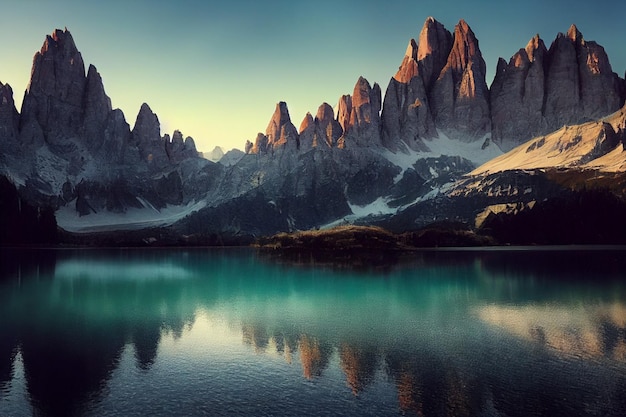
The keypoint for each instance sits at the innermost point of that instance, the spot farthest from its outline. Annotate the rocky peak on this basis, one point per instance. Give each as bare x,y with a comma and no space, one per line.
580,83
58,68
54,98
147,135
190,145
517,95
9,117
541,90
259,147
325,113
147,127
408,68
465,52
97,106
314,132
327,129
536,49
179,149
364,124
95,96
435,43
460,97
574,35
280,131
344,109
307,123
177,138
365,103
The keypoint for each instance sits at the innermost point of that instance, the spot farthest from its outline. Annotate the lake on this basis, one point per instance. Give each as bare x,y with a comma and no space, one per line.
161,332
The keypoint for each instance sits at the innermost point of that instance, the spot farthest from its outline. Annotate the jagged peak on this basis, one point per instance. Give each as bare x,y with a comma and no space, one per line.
520,59
6,87
280,131
59,58
147,123
325,112
145,109
409,67
535,44
411,50
430,33
190,143
463,27
344,108
306,122
362,81
361,94
465,47
6,95
59,38
574,34
177,136
279,118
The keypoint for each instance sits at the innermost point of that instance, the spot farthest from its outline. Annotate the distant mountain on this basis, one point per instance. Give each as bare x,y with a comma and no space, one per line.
431,149
215,155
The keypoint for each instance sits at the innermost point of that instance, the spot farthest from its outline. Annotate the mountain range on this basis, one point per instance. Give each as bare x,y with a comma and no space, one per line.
440,145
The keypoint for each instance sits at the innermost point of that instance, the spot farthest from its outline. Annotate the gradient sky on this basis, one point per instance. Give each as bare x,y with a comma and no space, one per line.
216,69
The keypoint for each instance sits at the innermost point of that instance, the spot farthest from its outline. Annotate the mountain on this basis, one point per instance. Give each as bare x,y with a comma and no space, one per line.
70,150
541,90
439,145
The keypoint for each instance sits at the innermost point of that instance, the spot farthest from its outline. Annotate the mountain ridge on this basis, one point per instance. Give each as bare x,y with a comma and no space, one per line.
410,154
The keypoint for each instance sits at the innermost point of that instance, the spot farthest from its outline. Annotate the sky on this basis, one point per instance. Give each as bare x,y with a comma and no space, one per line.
216,69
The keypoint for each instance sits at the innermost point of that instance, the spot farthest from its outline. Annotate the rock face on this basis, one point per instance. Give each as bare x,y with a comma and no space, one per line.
541,90
440,84
323,132
147,137
9,117
179,149
70,148
96,107
433,49
517,96
55,95
460,97
362,128
406,114
280,132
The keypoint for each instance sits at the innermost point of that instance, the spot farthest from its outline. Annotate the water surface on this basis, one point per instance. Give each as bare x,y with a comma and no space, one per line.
231,332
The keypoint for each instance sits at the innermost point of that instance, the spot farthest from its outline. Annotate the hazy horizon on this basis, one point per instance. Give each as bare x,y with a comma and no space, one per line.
215,71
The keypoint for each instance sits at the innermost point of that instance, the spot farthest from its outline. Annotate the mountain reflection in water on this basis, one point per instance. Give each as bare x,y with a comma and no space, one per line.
436,333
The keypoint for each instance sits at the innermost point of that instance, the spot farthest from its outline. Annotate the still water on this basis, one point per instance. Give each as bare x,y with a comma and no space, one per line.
233,332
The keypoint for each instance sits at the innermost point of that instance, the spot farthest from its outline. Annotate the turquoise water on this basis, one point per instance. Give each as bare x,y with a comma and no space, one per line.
232,332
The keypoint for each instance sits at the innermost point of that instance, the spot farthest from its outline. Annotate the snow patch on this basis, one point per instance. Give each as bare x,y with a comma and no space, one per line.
377,207
444,146
473,151
133,219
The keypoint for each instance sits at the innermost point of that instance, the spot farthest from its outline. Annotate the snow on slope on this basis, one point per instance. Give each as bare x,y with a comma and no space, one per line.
443,145
134,219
